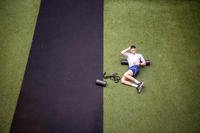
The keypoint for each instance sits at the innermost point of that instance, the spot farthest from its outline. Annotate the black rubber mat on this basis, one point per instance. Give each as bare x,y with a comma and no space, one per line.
58,93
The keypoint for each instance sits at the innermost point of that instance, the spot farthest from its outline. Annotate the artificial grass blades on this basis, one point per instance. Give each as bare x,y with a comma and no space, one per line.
167,33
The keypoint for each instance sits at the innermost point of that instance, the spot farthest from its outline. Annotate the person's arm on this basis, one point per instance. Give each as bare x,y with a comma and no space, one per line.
125,50
143,62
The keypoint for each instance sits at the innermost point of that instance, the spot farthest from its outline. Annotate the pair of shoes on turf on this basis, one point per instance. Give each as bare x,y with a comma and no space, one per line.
139,87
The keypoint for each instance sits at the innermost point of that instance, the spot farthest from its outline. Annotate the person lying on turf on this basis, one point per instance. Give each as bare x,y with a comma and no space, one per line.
135,60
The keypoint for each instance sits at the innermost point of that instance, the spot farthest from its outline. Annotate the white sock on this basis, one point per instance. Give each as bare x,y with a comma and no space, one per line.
134,85
136,81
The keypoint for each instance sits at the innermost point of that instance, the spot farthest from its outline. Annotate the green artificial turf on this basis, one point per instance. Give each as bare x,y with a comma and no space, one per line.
167,33
17,22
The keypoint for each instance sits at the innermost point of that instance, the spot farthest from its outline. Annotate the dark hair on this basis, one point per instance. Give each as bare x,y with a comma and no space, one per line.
133,46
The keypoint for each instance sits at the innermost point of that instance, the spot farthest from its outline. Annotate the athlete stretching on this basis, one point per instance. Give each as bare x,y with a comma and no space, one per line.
135,60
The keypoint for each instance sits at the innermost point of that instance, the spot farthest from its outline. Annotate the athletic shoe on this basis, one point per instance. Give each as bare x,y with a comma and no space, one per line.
139,87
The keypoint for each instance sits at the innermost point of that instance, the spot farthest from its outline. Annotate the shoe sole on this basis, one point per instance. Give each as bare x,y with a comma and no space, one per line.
140,88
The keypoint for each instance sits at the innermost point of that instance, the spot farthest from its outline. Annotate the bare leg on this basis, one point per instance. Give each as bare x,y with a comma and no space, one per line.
125,81
129,75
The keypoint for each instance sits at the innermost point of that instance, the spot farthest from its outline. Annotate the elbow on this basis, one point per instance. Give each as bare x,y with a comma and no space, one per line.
142,63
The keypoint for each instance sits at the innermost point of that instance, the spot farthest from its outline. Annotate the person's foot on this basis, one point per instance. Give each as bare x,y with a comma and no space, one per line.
139,87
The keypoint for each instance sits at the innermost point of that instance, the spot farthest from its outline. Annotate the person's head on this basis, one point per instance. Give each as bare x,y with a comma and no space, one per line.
133,49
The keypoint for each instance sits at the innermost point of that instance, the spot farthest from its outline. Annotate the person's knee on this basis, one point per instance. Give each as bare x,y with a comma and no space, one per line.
123,80
126,75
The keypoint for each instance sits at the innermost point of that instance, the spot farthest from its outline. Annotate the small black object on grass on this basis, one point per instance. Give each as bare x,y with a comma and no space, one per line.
115,77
